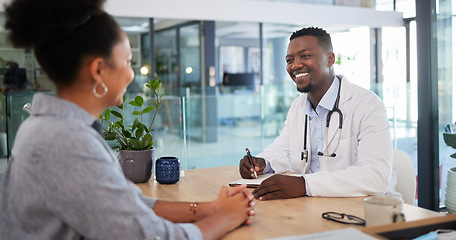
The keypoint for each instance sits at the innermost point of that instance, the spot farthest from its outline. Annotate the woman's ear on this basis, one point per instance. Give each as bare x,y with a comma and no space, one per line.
96,69
331,59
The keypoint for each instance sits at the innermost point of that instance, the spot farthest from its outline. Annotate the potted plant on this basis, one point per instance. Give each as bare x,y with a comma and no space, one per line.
450,189
131,132
450,138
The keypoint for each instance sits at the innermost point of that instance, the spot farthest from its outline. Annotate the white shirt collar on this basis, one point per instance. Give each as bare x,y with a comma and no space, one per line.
328,100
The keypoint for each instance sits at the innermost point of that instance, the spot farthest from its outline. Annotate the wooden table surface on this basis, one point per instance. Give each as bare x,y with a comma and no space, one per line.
276,218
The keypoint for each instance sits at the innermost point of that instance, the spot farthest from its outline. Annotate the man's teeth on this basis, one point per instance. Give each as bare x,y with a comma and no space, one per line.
301,75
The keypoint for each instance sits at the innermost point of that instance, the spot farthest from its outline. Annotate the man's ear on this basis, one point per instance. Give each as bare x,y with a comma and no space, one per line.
331,59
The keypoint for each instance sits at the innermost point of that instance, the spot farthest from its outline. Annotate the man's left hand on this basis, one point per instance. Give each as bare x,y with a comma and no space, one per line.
280,186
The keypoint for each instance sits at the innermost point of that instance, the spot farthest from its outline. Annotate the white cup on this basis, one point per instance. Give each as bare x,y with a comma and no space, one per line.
380,210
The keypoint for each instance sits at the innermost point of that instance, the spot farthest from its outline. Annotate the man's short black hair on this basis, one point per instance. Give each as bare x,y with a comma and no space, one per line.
323,37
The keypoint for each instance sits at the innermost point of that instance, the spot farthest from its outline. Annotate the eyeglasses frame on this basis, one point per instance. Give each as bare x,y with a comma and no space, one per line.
358,220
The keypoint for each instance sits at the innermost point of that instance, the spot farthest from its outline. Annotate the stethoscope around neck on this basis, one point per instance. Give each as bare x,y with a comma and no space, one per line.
304,153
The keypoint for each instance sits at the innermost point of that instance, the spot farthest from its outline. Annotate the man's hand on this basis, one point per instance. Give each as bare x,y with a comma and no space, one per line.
280,186
246,170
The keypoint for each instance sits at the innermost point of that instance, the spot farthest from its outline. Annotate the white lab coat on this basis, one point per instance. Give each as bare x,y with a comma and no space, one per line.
363,162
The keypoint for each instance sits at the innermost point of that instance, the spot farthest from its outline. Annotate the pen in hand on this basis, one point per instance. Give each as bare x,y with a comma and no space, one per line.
251,161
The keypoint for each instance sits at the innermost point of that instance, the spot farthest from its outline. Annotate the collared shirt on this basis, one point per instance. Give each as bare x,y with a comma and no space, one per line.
317,126
317,123
63,182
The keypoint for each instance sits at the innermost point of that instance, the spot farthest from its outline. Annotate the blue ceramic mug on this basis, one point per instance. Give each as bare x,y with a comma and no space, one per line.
167,170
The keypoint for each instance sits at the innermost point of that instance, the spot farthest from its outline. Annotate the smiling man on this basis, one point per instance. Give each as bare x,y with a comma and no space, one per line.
336,136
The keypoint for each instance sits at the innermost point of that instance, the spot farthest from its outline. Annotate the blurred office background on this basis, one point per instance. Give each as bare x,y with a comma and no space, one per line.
222,64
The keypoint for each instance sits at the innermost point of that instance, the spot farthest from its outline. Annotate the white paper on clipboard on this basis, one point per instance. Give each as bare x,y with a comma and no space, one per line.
255,182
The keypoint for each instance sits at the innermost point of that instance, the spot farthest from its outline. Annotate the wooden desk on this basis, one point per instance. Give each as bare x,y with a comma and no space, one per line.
276,218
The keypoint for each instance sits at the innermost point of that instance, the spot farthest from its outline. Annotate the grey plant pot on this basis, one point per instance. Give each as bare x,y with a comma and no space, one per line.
137,165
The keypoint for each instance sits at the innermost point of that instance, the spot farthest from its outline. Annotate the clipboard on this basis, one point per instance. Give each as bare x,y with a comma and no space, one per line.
251,183
255,182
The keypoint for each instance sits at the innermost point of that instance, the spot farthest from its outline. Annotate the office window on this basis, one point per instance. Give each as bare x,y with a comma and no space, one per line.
446,39
352,50
399,91
407,7
238,56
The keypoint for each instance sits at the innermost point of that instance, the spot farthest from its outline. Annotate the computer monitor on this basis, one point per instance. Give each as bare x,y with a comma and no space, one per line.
239,80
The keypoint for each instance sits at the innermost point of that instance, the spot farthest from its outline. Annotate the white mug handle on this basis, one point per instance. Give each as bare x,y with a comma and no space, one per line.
397,215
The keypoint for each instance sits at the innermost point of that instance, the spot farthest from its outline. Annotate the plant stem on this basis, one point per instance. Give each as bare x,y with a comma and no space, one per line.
156,109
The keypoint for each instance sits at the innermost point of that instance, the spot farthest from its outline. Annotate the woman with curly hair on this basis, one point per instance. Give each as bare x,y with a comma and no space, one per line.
62,180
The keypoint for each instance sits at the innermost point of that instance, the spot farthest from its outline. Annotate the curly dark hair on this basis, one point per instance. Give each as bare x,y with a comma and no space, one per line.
62,33
324,39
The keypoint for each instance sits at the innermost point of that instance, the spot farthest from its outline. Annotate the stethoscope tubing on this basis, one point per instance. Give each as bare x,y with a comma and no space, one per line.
336,109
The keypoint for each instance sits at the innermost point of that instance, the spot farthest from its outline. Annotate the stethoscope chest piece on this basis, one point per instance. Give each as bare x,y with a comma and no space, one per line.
304,155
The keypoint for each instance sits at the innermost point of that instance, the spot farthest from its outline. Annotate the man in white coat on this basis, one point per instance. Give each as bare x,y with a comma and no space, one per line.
352,157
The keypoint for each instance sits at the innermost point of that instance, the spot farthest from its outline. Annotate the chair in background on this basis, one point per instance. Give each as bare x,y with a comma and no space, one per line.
406,178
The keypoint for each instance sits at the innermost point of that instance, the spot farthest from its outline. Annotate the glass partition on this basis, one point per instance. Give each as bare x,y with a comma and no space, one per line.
14,115
250,120
166,63
189,56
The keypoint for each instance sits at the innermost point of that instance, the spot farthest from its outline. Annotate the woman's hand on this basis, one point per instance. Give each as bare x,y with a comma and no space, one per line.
237,201
241,189
232,208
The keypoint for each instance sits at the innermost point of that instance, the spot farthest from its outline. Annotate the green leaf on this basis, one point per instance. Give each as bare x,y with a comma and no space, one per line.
107,114
155,83
118,124
133,103
135,143
149,146
117,114
453,155
156,105
126,133
147,140
110,136
139,131
145,127
135,124
148,85
147,109
139,100
450,139
136,113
